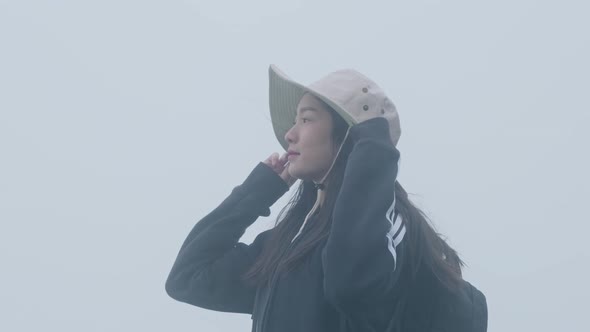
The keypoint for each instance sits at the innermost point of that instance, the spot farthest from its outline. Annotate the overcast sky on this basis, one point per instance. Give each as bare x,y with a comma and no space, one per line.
122,123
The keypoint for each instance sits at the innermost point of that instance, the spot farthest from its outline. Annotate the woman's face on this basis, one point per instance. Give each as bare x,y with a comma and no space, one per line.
311,146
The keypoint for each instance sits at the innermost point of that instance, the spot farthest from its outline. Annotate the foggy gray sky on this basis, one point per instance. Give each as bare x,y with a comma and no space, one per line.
122,123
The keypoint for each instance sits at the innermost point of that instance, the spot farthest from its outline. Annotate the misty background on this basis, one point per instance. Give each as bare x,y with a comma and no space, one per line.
122,123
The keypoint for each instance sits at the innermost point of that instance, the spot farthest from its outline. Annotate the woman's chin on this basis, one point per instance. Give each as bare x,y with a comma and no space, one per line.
294,173
302,175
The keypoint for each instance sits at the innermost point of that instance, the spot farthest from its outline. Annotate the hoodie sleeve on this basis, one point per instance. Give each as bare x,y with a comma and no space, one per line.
363,255
208,267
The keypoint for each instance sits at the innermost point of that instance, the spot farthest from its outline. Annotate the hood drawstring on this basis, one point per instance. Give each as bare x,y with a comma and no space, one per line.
320,186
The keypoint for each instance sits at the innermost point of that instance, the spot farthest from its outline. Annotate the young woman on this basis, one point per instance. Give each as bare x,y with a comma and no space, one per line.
350,252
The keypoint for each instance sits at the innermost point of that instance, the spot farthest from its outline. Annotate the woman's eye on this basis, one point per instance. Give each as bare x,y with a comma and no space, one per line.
304,120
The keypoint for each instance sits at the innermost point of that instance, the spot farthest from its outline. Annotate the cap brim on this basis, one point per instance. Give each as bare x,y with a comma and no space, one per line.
284,95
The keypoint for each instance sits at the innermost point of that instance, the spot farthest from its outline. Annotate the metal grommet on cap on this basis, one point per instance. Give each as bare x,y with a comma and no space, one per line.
382,111
366,108
365,90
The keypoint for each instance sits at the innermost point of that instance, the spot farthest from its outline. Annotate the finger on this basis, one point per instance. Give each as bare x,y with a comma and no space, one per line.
283,159
269,159
282,165
287,177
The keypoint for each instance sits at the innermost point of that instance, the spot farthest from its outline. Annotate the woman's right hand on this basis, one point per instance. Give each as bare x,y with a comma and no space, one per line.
280,166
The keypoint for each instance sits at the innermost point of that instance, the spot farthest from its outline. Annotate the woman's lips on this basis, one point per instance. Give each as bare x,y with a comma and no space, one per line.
292,155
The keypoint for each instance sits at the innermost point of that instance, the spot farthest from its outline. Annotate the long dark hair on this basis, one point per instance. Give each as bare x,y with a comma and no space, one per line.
426,249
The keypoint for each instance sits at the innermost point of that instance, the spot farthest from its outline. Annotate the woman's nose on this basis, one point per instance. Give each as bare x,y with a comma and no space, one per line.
289,136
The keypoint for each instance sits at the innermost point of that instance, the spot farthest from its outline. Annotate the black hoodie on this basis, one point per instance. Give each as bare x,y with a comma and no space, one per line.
348,283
